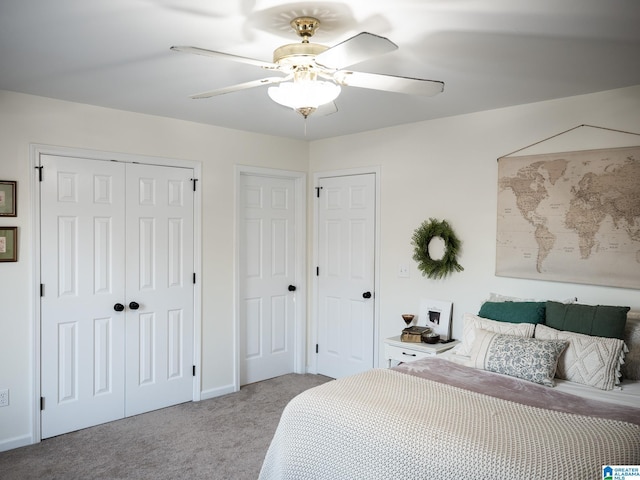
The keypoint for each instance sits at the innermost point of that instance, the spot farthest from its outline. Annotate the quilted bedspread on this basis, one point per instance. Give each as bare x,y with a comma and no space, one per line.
384,424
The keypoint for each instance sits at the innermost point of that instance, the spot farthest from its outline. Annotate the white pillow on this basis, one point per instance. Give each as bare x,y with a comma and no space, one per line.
589,360
471,322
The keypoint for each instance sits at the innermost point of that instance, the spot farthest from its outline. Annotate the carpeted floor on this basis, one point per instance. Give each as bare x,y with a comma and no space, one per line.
221,438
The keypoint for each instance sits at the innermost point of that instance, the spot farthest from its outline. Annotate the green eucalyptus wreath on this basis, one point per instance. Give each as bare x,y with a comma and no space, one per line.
421,238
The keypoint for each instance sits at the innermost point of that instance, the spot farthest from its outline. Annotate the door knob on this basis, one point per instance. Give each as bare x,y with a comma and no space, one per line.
292,288
118,307
366,295
134,306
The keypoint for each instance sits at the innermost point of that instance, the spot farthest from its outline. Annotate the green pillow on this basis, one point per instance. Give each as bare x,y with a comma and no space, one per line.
596,320
513,312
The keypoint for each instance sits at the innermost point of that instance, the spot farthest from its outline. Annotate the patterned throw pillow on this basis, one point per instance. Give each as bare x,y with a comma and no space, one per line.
472,322
530,359
589,360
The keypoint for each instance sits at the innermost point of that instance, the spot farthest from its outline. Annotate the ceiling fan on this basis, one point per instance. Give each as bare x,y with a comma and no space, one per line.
313,74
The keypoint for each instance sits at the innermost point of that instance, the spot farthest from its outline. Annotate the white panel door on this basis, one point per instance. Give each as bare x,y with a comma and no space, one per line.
117,304
346,259
82,248
159,279
267,273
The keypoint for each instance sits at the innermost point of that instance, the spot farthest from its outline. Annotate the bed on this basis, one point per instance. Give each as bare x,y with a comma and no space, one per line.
443,417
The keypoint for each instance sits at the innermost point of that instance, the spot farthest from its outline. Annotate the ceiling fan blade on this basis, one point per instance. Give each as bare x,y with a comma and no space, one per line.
355,50
226,56
239,86
389,83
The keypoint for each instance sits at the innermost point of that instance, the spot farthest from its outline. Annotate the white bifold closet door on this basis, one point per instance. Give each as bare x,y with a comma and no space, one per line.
117,290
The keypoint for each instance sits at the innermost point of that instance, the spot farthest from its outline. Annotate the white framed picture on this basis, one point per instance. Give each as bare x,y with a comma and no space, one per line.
436,314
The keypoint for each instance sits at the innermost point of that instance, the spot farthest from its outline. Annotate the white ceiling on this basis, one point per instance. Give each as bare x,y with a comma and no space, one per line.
489,54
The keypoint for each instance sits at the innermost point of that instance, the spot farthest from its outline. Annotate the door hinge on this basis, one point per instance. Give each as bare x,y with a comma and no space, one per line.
318,191
41,403
39,173
194,278
42,289
194,180
316,348
194,370
317,271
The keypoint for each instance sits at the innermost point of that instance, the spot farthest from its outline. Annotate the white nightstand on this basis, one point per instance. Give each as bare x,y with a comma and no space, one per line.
394,349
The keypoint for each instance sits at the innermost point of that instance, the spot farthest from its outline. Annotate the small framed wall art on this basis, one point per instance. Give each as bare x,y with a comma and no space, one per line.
8,244
437,315
8,194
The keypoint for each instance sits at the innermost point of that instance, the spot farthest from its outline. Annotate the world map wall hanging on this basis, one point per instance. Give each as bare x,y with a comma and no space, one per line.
570,217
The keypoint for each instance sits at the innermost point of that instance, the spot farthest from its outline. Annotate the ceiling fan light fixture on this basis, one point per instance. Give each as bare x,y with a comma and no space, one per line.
305,94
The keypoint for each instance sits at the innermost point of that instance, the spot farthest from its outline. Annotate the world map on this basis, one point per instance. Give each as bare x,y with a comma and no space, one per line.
570,217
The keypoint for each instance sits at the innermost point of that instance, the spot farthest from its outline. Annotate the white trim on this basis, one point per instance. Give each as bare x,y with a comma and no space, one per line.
300,179
218,392
34,157
15,442
313,325
36,150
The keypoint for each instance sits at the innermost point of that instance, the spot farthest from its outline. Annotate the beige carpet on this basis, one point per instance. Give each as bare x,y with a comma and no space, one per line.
222,438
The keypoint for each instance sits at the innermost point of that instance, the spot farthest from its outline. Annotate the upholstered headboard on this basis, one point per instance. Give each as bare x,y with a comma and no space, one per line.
631,367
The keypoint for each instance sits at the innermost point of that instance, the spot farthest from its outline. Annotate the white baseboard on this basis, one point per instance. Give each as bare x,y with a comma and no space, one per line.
15,442
25,440
216,392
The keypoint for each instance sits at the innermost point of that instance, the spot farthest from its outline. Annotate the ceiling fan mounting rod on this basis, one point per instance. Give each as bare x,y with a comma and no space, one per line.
305,27
300,54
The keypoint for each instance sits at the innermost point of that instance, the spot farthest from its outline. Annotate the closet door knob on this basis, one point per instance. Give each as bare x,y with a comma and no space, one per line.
366,295
292,288
118,307
134,306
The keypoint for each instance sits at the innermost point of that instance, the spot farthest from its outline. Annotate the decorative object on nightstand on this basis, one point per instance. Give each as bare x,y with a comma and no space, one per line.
430,337
413,334
437,315
408,318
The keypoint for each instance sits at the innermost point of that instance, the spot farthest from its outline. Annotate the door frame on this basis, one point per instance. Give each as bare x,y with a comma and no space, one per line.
35,150
300,183
314,323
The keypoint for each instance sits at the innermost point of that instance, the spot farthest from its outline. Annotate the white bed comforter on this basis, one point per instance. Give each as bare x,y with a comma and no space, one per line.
384,424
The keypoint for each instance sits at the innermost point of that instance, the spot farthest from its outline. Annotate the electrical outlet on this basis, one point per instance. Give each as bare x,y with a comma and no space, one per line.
4,397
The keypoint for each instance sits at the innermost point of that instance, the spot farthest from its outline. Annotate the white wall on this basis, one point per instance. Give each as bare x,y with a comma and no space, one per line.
447,169
444,168
27,119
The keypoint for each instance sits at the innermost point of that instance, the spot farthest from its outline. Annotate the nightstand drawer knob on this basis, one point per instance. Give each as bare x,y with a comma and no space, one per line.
409,354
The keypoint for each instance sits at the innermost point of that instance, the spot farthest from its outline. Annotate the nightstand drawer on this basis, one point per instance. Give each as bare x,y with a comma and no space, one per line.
404,354
399,351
